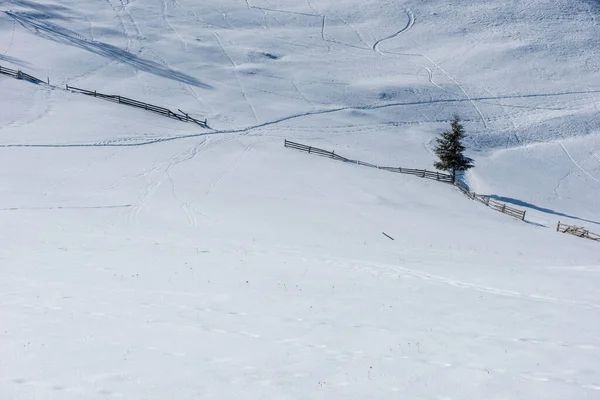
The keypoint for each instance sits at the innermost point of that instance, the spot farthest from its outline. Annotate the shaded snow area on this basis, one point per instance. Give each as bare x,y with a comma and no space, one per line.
142,257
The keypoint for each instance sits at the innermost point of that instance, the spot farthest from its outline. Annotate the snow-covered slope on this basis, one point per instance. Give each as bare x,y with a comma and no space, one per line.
147,258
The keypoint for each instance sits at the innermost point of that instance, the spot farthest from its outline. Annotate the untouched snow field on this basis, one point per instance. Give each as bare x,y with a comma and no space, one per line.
145,258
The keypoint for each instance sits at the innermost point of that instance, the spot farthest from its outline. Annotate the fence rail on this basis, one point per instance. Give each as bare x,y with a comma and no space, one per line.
181,116
314,150
496,205
577,231
331,154
493,204
423,173
17,74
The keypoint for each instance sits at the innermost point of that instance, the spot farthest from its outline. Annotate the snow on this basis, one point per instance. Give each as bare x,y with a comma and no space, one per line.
147,258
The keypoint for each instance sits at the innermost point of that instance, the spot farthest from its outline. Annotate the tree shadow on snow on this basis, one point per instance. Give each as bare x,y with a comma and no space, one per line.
541,209
13,60
62,35
43,11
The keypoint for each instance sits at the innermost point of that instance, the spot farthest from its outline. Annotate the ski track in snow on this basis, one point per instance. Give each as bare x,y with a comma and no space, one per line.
176,162
468,285
156,174
140,142
230,169
409,25
237,77
165,18
576,164
462,89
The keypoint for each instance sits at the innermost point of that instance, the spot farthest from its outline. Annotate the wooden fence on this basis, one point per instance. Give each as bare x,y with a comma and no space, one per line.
493,204
577,231
314,150
503,208
182,116
331,154
423,173
17,74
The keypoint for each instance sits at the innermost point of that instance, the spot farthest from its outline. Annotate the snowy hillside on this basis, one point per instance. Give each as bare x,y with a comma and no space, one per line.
146,258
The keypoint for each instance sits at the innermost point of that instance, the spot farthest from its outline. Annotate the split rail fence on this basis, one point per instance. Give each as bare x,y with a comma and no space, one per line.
331,154
181,116
423,173
577,231
493,204
17,74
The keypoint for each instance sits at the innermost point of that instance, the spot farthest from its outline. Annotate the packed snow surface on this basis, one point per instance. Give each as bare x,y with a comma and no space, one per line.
146,258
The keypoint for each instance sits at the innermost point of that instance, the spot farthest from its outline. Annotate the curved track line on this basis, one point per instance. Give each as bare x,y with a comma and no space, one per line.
115,143
165,18
411,22
576,164
175,162
460,87
230,169
237,77
481,288
151,188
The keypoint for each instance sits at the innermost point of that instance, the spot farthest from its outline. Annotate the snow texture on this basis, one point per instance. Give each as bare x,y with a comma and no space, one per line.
145,258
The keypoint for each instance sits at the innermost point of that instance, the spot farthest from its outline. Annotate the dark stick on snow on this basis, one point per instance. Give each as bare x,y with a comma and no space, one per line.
388,236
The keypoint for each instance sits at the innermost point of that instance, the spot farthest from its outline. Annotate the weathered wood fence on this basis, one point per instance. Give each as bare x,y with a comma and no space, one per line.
181,116
577,231
17,74
331,154
314,150
423,173
493,204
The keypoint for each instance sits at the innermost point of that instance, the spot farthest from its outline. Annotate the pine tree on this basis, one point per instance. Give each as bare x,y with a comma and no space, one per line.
450,150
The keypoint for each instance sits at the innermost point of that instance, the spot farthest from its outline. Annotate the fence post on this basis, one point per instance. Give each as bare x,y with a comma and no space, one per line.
438,175
119,99
558,227
309,148
95,93
503,208
523,219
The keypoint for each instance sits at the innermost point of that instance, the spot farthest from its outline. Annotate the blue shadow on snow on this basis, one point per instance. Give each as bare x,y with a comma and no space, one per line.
62,35
541,209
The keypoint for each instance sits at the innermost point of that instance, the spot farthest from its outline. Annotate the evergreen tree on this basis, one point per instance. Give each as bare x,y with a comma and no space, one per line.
450,150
